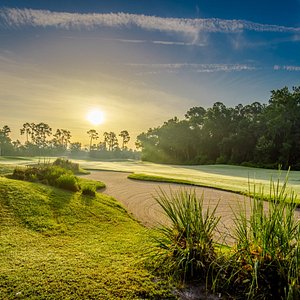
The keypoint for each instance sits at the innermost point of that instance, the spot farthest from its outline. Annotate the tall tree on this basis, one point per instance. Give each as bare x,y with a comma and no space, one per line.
28,129
217,126
40,133
125,138
111,140
174,142
75,147
93,134
239,145
62,138
5,131
196,116
280,141
5,141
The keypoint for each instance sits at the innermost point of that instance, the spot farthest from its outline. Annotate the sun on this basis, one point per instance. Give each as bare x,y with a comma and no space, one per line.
95,117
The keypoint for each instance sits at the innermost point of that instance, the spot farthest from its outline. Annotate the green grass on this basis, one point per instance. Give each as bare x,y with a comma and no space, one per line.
56,244
84,182
154,178
14,158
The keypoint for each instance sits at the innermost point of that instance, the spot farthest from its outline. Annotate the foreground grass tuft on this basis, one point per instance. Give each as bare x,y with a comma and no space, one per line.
56,244
185,247
265,261
69,165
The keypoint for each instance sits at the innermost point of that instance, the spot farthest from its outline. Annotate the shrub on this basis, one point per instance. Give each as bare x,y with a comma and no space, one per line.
28,174
67,164
18,174
52,173
186,247
265,261
68,182
221,160
89,191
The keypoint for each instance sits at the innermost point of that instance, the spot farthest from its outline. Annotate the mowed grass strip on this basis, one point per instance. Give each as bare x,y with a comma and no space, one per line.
154,178
56,244
250,192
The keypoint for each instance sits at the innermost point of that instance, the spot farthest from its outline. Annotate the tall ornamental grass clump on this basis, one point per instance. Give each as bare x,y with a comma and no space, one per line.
264,263
67,165
185,246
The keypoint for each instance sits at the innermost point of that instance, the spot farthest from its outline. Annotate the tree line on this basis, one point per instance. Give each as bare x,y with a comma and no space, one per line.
40,139
256,134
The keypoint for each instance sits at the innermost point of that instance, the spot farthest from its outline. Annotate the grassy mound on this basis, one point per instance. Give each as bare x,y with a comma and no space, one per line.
56,244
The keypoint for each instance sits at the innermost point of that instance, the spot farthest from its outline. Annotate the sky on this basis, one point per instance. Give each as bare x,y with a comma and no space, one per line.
140,62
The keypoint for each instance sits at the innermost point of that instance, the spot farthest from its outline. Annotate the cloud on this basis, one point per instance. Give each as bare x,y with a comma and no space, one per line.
286,68
16,18
177,43
167,43
185,67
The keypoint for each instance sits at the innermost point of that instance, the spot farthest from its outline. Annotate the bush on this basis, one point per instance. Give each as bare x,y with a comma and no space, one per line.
67,165
52,173
18,174
68,182
186,247
88,191
49,175
221,160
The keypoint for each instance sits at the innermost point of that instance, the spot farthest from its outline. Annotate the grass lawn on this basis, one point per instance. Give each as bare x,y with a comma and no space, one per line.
56,244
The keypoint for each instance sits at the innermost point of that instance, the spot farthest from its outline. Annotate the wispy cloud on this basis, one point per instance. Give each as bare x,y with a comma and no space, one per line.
185,67
286,68
178,43
167,43
11,17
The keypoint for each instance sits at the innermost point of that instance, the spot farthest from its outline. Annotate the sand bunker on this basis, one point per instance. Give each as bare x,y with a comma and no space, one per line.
138,198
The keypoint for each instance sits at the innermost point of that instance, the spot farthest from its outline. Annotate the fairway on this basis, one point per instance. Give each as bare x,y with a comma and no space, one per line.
226,177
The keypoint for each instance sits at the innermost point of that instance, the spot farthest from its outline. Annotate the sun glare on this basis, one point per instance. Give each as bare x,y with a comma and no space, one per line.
95,117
